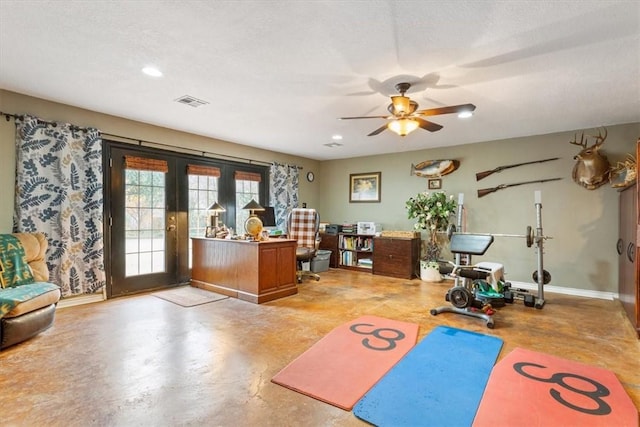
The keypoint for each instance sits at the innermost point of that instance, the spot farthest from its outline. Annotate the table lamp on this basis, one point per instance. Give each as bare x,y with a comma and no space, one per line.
213,226
253,224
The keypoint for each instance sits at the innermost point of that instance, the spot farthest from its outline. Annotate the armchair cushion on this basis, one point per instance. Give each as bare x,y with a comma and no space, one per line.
35,248
23,299
25,275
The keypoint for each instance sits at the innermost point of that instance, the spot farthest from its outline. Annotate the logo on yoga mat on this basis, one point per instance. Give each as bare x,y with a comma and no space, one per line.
559,378
379,335
556,391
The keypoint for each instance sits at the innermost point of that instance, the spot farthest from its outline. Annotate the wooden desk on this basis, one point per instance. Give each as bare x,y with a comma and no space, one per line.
252,271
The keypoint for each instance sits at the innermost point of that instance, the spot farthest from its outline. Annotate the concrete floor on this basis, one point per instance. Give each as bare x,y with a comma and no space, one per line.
143,361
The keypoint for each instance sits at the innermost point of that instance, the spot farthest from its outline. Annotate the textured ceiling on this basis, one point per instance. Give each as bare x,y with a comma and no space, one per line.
278,74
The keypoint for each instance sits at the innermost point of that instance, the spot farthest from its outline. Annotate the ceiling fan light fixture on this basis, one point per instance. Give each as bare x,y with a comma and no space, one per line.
465,114
403,127
401,104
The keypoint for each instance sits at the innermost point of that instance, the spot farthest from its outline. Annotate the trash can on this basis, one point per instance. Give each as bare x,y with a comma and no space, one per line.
320,262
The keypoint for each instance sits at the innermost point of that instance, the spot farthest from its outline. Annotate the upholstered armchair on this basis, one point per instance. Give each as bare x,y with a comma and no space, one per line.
27,299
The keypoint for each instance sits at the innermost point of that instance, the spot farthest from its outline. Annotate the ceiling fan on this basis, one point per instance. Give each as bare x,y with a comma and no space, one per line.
404,118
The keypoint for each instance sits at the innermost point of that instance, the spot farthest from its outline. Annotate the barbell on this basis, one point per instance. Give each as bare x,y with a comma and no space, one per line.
529,236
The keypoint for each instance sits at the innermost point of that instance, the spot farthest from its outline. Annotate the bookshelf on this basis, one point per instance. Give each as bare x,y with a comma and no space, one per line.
355,251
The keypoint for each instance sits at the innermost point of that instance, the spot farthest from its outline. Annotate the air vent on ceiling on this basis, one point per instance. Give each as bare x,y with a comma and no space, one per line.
333,145
191,101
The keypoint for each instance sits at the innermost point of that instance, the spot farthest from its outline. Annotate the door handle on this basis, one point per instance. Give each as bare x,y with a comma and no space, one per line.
171,227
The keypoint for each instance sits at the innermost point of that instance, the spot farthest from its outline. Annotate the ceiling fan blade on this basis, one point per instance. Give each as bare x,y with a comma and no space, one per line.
427,125
377,131
446,110
363,117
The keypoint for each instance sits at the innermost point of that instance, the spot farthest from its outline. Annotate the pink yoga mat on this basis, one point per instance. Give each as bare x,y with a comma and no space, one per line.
527,388
341,367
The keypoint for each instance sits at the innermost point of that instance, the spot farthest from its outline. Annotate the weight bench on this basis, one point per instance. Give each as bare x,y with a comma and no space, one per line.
460,296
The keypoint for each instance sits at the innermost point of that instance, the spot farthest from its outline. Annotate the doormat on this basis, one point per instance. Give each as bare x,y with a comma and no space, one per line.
531,388
188,296
343,365
438,383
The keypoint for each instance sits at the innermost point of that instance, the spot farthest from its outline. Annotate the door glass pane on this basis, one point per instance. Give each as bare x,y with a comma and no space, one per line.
145,219
203,192
245,191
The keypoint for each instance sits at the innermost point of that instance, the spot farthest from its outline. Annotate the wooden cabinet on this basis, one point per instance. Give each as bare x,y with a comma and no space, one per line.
329,242
628,265
396,257
627,255
355,251
252,271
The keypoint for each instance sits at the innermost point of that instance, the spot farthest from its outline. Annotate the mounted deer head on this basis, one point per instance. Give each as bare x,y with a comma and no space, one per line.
592,168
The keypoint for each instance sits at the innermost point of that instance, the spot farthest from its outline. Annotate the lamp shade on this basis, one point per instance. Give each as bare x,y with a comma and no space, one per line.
401,104
216,207
403,126
253,224
253,206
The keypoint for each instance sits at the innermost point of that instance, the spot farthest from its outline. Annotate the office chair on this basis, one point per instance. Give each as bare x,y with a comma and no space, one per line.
303,226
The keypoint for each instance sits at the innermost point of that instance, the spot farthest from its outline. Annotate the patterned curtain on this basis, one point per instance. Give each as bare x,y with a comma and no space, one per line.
59,192
284,191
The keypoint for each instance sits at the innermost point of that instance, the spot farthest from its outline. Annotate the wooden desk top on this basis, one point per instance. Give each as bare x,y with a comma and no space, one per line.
274,240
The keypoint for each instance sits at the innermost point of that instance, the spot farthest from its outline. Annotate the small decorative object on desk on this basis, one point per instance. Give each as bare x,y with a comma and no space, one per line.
432,212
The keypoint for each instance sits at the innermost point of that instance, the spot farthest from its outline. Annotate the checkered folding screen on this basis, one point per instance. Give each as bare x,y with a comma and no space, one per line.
302,226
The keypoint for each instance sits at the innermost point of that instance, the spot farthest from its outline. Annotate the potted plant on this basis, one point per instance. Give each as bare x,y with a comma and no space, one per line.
432,212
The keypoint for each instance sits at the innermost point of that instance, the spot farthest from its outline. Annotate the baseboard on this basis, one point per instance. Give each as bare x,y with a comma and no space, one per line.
567,291
80,300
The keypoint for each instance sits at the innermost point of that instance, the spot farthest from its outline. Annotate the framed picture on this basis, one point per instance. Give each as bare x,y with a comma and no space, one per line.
435,184
364,187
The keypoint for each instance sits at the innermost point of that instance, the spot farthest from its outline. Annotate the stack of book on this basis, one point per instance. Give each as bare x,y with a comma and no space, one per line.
349,228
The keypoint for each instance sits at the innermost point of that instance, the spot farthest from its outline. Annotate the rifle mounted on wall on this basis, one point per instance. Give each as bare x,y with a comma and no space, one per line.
484,191
481,175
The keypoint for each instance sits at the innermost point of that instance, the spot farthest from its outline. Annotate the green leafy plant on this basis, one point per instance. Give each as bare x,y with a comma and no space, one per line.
432,212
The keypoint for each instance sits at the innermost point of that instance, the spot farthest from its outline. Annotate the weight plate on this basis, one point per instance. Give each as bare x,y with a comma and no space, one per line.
529,236
460,297
546,276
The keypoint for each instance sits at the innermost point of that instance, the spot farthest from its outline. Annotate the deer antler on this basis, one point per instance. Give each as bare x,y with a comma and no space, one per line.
582,142
600,139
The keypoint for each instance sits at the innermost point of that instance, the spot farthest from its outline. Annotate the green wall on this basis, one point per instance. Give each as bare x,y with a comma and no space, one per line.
583,223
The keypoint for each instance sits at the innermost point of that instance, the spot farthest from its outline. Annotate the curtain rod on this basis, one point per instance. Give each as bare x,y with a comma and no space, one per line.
202,152
9,116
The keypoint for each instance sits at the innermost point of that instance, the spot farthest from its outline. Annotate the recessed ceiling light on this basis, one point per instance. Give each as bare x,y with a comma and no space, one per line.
465,114
152,71
336,137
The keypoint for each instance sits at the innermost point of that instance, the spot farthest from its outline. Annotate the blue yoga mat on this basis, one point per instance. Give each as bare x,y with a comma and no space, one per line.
438,383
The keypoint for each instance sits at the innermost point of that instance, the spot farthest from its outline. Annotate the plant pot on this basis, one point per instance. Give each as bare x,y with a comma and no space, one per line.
429,273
